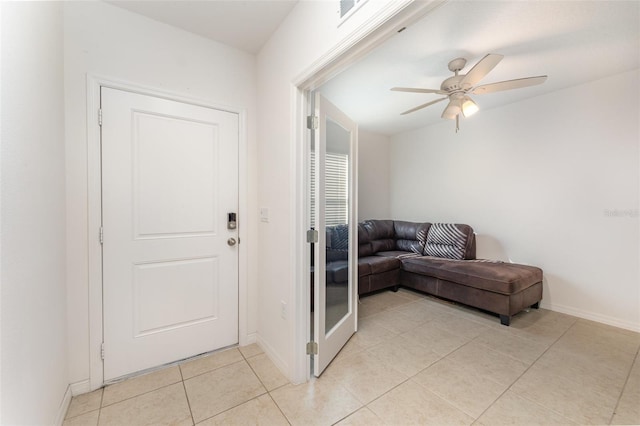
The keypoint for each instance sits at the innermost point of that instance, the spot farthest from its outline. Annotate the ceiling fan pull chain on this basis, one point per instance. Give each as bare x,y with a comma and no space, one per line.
457,123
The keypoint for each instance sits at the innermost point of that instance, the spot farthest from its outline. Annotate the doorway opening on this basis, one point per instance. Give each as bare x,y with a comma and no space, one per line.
329,66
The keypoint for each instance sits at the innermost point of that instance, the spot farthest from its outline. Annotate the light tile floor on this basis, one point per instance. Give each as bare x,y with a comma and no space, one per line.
414,360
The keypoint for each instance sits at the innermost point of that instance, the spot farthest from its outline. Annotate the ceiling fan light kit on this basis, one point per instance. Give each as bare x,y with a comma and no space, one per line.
458,87
469,107
452,110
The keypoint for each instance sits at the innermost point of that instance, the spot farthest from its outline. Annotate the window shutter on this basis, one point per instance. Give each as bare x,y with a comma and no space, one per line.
337,189
337,194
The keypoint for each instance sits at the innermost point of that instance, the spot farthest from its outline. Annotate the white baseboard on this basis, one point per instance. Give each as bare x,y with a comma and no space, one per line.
78,388
249,339
282,366
615,322
64,406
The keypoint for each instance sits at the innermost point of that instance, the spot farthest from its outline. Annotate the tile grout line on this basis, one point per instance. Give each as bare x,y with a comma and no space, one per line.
252,356
237,405
267,392
182,380
278,406
408,378
521,339
357,399
446,401
100,408
571,380
635,362
451,403
213,369
186,395
257,377
66,416
624,387
143,393
525,372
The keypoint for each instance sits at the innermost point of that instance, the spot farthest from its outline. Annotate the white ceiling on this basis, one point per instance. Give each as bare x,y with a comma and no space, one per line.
245,25
571,42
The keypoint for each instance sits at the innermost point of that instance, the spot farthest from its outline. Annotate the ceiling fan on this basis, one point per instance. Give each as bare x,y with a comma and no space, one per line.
458,88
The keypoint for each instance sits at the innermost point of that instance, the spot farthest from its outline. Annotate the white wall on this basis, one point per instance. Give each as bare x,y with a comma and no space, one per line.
34,329
307,39
104,40
373,176
552,181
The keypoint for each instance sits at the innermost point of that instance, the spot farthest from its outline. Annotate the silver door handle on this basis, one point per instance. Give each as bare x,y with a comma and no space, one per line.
231,241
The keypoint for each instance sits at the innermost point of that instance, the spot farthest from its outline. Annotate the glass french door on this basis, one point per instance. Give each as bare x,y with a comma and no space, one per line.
333,166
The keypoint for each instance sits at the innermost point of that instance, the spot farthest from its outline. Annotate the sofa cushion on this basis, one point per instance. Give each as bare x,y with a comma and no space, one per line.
410,236
338,272
333,255
379,229
364,242
498,277
380,264
337,242
398,254
381,234
338,237
364,268
383,245
451,241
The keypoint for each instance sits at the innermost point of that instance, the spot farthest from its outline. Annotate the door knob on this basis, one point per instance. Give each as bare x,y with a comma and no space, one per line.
231,241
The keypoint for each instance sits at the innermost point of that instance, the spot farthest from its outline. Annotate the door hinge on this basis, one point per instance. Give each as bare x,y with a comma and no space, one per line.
102,351
100,117
312,348
101,235
312,236
312,122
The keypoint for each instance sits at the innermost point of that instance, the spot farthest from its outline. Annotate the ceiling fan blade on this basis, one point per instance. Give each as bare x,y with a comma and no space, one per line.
480,69
509,84
423,106
416,90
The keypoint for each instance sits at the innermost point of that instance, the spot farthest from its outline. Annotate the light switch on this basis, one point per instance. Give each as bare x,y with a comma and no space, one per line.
264,214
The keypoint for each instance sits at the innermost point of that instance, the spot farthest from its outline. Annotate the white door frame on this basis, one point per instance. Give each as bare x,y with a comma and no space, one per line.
378,29
94,83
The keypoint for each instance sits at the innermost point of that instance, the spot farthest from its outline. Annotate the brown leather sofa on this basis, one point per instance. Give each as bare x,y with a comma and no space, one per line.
439,259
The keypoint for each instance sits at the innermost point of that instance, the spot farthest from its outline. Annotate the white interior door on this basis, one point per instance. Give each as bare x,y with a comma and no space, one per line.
335,272
170,263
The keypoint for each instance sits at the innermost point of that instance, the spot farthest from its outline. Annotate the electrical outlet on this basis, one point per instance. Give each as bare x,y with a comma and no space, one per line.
283,309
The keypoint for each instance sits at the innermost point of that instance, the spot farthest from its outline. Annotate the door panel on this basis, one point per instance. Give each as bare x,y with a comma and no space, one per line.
170,174
154,288
335,298
170,177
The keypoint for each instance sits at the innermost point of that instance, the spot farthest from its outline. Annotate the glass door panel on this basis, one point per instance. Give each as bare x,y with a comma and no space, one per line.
338,143
335,257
